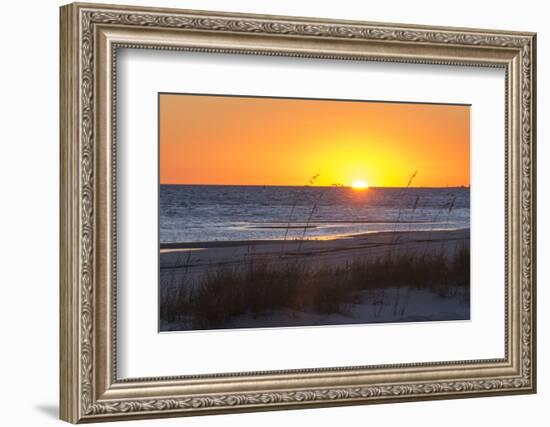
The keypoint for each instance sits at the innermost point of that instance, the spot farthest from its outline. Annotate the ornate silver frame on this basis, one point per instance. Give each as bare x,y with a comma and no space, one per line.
90,36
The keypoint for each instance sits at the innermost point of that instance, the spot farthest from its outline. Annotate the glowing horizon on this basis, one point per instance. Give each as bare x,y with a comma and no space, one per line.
230,140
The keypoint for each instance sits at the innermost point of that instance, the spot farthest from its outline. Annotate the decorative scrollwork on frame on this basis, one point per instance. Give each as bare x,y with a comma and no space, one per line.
314,396
90,18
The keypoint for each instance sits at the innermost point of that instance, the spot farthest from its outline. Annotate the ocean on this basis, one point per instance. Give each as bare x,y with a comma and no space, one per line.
206,213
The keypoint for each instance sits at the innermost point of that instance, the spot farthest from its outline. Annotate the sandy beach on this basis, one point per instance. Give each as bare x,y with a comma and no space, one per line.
198,257
185,266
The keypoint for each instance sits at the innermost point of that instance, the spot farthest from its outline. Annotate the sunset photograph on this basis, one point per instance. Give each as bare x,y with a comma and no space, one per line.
295,212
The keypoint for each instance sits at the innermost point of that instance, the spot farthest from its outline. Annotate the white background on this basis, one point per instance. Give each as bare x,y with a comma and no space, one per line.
29,171
145,353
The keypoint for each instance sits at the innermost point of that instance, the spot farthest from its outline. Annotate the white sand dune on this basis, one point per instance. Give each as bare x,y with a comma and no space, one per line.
188,262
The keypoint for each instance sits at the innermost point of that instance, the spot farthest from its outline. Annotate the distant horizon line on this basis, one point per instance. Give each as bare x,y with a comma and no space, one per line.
319,186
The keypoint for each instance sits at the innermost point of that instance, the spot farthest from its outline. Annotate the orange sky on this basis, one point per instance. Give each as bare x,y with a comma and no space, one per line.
271,141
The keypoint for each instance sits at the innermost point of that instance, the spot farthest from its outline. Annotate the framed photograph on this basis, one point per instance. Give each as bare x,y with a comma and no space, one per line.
247,242
265,212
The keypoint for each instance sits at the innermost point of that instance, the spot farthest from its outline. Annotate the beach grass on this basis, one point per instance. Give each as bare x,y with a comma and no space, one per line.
257,286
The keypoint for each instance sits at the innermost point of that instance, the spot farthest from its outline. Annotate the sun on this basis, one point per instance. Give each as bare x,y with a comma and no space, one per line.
359,185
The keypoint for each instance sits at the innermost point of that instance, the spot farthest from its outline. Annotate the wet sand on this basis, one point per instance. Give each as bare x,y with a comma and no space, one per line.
197,257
